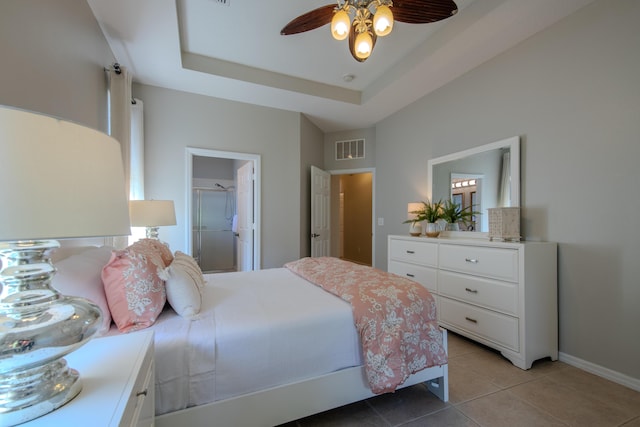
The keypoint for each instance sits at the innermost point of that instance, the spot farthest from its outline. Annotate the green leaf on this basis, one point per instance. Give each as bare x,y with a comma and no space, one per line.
430,212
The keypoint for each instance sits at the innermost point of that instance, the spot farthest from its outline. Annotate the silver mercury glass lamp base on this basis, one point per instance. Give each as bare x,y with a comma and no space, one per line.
152,233
38,327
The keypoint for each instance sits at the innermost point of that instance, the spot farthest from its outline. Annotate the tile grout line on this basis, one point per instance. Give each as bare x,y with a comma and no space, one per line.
378,414
527,402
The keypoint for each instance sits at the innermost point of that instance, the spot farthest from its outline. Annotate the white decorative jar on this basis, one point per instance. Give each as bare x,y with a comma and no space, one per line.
504,224
416,229
433,229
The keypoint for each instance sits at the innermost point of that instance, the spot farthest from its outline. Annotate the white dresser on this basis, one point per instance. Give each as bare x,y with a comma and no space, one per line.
118,384
501,294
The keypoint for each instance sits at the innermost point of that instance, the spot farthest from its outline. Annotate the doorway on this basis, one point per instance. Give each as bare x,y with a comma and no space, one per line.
214,236
214,216
352,213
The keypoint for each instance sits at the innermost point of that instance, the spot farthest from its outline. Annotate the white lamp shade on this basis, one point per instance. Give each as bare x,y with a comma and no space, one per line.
59,179
152,213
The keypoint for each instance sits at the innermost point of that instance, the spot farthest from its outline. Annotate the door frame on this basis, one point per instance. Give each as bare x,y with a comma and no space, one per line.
205,152
372,171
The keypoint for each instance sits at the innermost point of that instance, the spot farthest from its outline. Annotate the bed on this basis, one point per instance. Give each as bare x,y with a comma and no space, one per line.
284,348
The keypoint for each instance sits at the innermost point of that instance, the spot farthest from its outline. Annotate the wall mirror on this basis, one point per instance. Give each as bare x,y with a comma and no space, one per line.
485,177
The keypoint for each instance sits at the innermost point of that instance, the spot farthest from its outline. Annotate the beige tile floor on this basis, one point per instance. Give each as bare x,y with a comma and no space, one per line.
486,390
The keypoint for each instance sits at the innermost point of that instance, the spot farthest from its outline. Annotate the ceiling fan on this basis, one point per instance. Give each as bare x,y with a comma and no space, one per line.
362,21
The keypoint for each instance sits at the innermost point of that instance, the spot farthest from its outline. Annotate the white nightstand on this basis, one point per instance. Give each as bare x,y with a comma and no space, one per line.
117,375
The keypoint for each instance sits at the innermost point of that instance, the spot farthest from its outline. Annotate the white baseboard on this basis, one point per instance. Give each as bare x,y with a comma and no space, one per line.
616,377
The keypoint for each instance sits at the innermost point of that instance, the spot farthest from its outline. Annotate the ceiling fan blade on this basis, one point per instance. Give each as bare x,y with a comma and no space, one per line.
423,11
310,20
352,43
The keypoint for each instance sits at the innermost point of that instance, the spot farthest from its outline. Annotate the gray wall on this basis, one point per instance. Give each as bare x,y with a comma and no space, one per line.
213,168
311,154
53,59
369,160
176,120
572,93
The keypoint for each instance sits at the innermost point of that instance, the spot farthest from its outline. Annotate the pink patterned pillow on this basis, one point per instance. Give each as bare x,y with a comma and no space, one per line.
135,293
154,245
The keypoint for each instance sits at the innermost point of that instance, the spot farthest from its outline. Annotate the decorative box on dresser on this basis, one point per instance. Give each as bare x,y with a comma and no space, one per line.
502,294
118,383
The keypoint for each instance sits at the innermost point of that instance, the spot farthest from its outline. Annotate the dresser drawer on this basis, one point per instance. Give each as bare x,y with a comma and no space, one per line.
426,276
498,328
483,287
499,296
415,251
496,263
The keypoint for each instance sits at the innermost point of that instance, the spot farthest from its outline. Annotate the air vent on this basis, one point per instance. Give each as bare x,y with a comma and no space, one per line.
223,2
349,150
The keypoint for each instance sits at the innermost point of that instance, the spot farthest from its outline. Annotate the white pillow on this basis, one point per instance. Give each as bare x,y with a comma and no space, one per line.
190,266
64,252
79,275
183,289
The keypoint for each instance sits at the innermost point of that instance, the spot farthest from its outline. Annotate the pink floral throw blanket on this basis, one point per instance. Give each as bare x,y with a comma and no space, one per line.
395,318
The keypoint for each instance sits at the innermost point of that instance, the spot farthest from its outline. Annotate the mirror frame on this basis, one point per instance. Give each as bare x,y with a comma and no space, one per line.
513,143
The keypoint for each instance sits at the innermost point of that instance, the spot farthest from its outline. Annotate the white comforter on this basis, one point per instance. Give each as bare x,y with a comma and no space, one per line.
257,330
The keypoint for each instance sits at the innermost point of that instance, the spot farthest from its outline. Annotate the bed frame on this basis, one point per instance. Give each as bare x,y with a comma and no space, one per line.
289,402
278,405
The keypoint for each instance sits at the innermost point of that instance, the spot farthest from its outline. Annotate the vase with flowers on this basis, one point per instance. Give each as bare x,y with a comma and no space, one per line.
429,212
455,214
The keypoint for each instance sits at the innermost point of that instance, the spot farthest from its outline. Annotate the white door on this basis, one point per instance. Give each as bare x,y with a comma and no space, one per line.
320,212
245,228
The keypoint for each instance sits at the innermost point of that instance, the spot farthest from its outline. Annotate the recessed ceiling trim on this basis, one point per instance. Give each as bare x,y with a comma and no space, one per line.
145,36
235,71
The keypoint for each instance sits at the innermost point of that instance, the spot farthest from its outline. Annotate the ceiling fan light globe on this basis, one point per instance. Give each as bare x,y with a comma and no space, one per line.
383,20
340,24
363,45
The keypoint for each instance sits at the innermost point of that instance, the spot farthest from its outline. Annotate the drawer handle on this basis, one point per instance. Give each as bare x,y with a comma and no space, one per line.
410,275
471,260
471,291
142,393
471,320
411,252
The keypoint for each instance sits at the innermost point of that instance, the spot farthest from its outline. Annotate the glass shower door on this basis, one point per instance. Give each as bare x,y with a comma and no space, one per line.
214,242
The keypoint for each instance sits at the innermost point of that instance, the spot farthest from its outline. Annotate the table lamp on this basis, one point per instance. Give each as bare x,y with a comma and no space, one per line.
152,214
59,180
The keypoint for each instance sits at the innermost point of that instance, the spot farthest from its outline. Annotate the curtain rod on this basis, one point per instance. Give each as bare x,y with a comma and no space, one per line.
118,70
